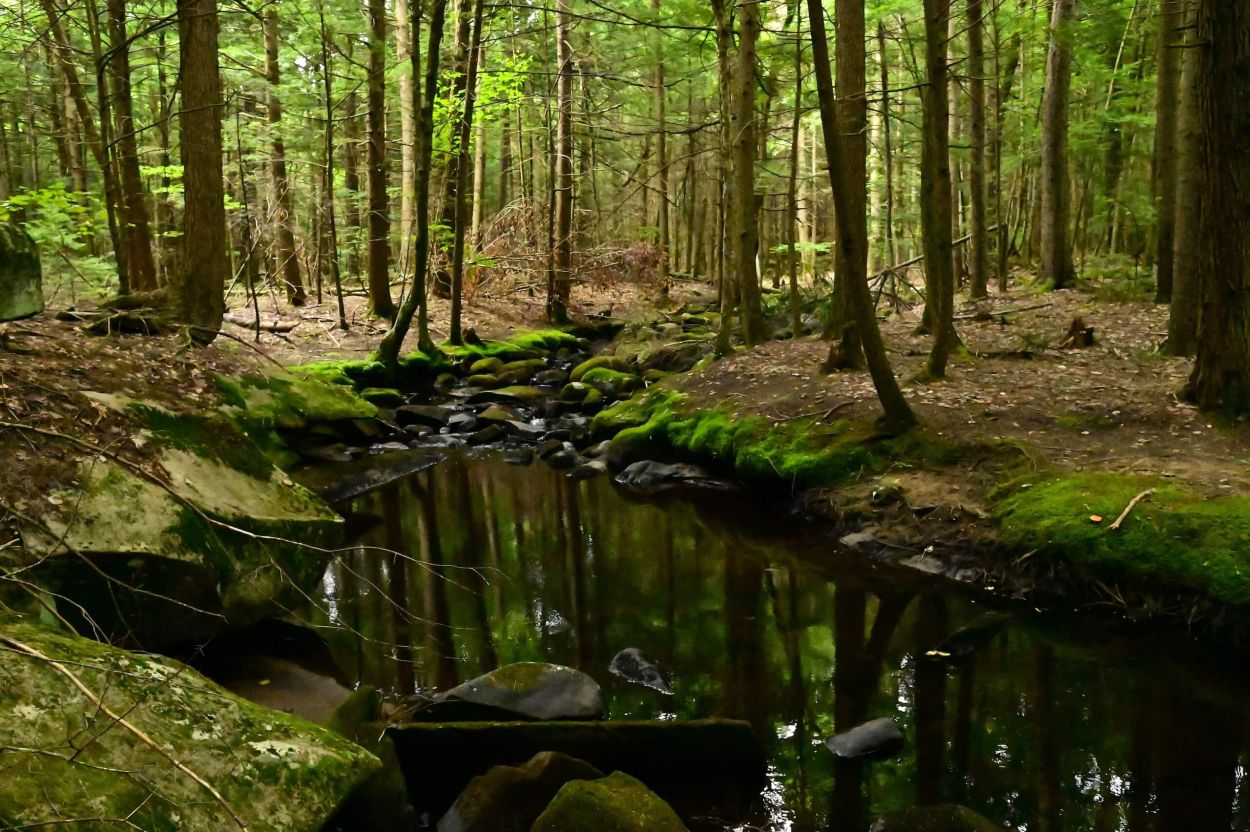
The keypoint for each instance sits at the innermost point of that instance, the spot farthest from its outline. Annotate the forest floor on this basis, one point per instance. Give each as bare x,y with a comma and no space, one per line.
1109,407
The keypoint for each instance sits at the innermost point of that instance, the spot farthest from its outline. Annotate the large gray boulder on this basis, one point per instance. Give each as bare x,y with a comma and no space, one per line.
532,690
120,739
875,740
21,280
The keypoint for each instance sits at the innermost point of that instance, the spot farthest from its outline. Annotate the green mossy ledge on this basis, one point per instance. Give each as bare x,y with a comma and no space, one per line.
1174,541
267,770
659,423
418,370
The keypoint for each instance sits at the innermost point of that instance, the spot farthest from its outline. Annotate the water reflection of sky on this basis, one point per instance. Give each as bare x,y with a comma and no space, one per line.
1047,726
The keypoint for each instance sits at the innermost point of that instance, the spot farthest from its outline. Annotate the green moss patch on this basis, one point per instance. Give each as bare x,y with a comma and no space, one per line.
657,423
1174,540
293,400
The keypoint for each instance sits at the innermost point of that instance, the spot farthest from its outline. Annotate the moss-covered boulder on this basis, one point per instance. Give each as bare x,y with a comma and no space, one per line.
609,362
119,739
941,818
510,798
291,400
486,366
616,803
382,396
612,382
21,286
207,532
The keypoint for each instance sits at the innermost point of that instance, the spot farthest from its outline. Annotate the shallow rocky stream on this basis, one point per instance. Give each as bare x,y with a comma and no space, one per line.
1025,717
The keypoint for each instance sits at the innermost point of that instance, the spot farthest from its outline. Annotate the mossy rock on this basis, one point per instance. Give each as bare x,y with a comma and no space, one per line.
238,764
945,817
612,382
382,396
616,803
226,527
1174,540
486,366
574,391
609,362
652,376
510,378
291,401
21,277
487,380
527,366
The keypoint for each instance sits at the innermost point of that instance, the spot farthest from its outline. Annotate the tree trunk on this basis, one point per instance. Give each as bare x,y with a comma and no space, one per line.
935,189
661,136
201,283
462,174
1188,230
1221,374
479,164
286,263
1056,250
558,299
449,219
897,414
408,131
388,350
380,303
746,210
1164,173
726,255
978,246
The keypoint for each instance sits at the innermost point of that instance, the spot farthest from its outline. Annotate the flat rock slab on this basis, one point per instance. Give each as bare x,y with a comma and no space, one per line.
875,740
534,690
266,770
617,803
710,765
348,480
512,797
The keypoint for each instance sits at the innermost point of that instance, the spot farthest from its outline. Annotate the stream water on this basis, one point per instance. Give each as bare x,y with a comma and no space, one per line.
1053,722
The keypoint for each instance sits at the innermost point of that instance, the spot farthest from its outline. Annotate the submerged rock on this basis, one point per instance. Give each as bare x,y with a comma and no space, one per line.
485,436
562,459
21,278
875,740
345,481
616,803
942,818
967,640
510,395
534,690
589,470
462,422
635,666
510,798
431,416
238,764
652,474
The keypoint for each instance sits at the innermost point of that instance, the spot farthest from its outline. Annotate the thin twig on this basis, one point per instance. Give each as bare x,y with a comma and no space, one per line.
1131,505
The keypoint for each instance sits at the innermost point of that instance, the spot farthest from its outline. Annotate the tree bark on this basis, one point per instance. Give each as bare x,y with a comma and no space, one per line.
380,303
897,413
1056,250
286,263
1188,230
661,137
1164,173
978,246
408,131
201,283
558,300
462,174
935,189
1221,374
746,210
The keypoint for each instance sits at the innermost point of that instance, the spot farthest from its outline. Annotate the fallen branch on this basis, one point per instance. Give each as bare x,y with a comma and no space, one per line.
986,315
263,326
1128,508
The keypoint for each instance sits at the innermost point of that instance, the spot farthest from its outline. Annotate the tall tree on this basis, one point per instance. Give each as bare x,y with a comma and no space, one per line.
1055,240
745,148
379,224
462,174
935,189
897,413
979,244
851,264
1188,230
1221,374
562,265
661,138
1167,110
286,263
201,282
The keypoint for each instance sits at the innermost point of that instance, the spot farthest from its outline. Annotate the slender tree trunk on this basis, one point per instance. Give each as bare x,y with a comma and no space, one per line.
1221,374
887,147
328,189
1164,169
286,263
898,415
726,253
351,174
661,137
851,261
746,209
558,300
792,185
408,131
935,190
462,174
505,159
1054,233
388,350
978,246
449,219
380,303
201,284
1188,229
479,165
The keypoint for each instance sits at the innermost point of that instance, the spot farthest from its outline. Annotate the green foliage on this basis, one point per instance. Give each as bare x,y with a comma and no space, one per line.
1174,540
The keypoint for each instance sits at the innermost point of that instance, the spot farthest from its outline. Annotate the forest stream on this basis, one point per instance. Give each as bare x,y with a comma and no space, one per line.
1033,719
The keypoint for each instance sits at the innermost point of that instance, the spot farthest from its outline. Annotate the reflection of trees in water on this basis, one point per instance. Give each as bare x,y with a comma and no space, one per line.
1036,729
